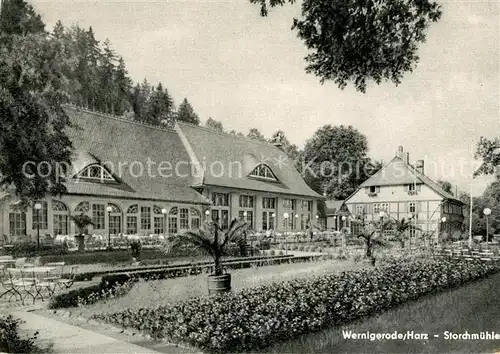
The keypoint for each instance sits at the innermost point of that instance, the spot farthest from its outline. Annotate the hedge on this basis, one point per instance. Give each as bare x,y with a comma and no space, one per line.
109,257
30,249
256,318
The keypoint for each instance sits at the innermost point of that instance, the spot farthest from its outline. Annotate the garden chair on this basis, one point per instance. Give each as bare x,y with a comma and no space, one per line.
42,282
67,282
16,284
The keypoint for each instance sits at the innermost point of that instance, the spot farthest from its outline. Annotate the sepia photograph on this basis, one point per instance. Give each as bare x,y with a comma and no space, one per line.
249,176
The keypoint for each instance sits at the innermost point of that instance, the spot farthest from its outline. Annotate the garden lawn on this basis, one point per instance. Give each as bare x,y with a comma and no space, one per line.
154,293
471,308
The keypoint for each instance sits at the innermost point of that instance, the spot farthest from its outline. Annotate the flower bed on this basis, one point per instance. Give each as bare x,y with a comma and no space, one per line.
257,317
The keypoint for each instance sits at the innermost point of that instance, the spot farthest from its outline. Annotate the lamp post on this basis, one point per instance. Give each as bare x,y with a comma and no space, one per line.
344,218
109,209
245,234
285,216
164,212
38,206
273,215
487,212
207,214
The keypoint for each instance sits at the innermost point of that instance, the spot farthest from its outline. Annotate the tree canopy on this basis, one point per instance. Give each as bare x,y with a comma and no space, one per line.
255,134
489,151
33,84
447,186
186,113
335,158
214,124
290,149
357,41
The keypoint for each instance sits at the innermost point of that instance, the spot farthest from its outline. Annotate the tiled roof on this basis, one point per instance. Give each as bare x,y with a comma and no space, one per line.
228,160
123,146
397,172
334,207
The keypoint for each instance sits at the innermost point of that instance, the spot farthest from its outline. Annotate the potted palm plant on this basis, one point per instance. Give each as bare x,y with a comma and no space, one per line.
372,236
211,240
82,221
400,228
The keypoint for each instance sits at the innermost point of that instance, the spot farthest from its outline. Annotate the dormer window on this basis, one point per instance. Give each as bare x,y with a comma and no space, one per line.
372,191
95,173
263,171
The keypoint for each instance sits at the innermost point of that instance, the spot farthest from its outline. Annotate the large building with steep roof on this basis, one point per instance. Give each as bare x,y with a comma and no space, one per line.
402,190
134,178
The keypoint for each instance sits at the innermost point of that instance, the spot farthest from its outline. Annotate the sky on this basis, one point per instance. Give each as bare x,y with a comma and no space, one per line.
247,71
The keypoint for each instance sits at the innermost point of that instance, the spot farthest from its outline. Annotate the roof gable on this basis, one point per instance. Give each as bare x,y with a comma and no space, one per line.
397,172
144,159
228,160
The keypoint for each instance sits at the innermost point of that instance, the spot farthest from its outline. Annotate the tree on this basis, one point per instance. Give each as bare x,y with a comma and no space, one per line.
140,99
489,152
361,40
107,95
255,134
447,186
211,240
335,162
290,149
372,236
400,228
160,106
19,18
123,85
33,86
214,124
186,113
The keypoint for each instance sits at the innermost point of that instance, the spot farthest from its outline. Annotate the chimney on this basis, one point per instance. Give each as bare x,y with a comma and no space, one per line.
399,153
407,158
420,166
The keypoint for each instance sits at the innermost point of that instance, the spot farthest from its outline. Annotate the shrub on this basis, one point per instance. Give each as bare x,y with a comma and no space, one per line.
12,342
281,253
30,249
109,257
92,294
272,252
301,248
257,317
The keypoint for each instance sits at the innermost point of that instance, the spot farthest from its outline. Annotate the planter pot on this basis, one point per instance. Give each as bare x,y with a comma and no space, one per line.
80,239
219,283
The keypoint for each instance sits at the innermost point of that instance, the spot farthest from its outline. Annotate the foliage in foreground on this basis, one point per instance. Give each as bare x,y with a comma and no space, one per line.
12,342
258,317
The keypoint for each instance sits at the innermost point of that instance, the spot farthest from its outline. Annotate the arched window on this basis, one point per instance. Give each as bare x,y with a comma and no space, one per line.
180,219
159,220
95,172
115,219
195,219
59,217
173,220
263,171
17,221
82,207
132,219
